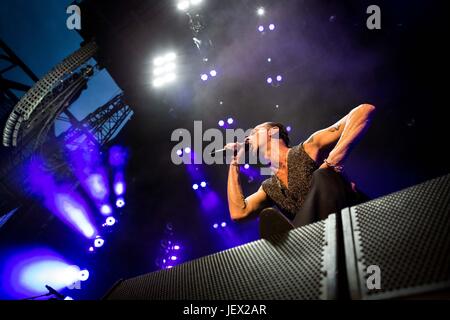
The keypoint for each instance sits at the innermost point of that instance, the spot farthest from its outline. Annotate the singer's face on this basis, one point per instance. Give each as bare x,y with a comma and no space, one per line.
258,138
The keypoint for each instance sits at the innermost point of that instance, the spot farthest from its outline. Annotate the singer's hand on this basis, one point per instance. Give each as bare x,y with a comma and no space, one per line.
238,150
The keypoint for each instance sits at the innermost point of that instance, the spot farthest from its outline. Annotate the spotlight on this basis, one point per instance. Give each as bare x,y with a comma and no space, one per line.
183,5
221,123
99,242
261,28
195,186
288,128
169,267
106,209
120,203
215,225
269,80
187,150
91,249
271,27
164,68
176,247
223,224
213,73
68,298
204,77
173,258
246,166
84,275
269,59
203,184
279,78
180,152
196,2
261,11
110,221
230,120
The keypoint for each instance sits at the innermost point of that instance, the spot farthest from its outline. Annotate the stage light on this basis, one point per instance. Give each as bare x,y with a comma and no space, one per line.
288,128
269,59
223,224
230,120
246,166
213,73
261,11
164,69
97,186
195,186
169,267
204,77
120,203
84,275
176,247
203,184
119,188
173,258
215,225
106,209
279,78
269,80
187,150
110,221
221,123
91,249
271,27
68,298
196,2
261,28
99,242
74,212
180,152
221,102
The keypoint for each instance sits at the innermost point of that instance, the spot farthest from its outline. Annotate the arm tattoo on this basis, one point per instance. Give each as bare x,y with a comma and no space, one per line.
335,128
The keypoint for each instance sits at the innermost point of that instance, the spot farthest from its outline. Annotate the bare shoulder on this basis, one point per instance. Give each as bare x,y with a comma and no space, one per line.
311,148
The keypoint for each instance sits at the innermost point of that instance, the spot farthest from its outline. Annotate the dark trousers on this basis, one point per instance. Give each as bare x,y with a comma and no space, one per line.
330,193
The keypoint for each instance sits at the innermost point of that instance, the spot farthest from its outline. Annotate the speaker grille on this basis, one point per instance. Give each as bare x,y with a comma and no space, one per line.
407,235
296,265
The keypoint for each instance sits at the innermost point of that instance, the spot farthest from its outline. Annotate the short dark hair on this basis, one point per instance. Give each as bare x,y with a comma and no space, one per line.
283,134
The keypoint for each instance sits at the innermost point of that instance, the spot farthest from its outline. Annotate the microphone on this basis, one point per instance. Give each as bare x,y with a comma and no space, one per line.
246,146
54,292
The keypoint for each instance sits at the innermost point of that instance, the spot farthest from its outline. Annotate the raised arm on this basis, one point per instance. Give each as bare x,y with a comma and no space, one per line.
239,206
346,132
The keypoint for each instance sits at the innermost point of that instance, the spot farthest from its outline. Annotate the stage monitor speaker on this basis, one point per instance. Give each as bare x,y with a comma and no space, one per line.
399,246
300,264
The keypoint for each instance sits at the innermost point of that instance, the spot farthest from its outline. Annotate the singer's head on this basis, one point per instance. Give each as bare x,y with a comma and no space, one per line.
265,134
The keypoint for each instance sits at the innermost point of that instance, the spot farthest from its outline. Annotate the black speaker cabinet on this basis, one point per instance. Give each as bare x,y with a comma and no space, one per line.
300,264
403,239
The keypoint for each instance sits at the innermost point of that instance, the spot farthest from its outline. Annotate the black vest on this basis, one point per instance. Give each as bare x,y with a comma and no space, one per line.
300,171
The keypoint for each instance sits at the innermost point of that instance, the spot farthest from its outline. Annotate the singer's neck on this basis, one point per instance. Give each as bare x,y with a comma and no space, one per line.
278,158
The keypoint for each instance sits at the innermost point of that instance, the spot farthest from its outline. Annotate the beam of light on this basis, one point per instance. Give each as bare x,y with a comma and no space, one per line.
97,186
106,209
117,156
73,211
26,272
